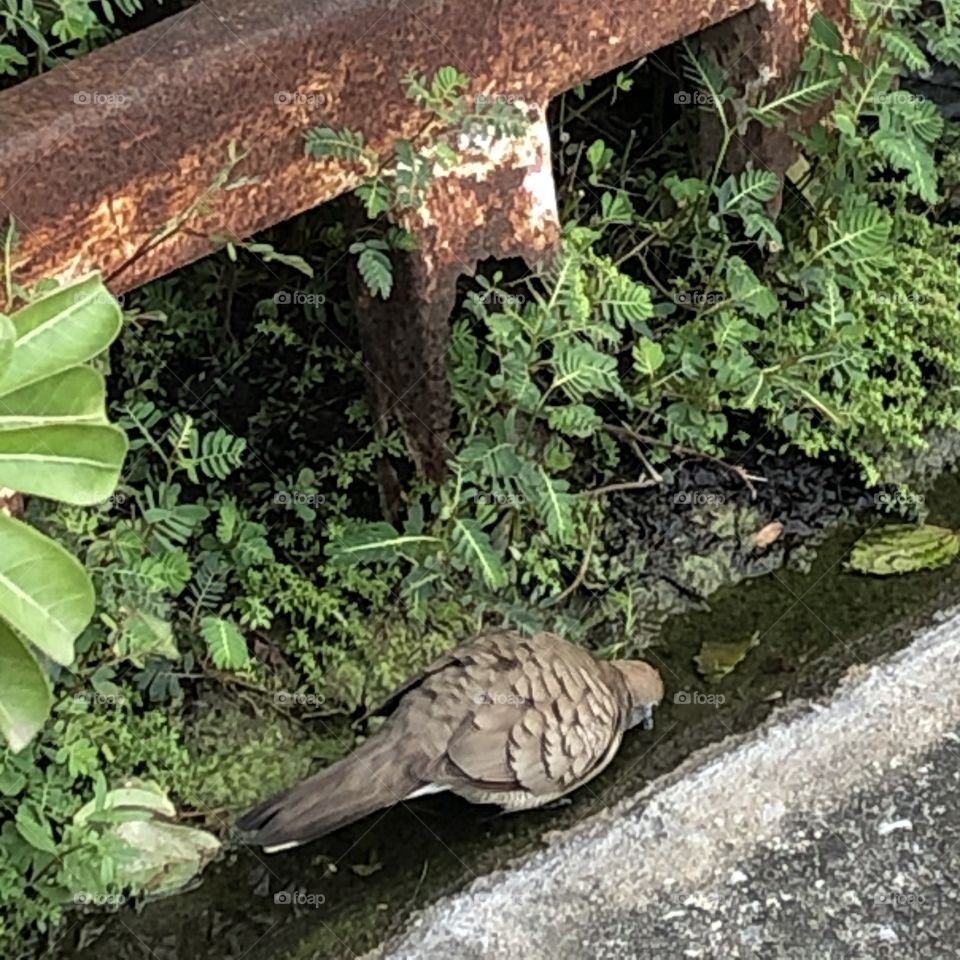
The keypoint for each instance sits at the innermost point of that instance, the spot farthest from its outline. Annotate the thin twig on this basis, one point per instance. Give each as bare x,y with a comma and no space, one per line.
644,484
748,479
581,573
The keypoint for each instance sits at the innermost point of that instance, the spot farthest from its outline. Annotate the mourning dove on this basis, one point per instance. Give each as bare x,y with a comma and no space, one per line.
502,719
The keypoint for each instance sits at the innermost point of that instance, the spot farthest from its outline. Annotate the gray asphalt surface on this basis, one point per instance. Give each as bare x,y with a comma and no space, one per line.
831,832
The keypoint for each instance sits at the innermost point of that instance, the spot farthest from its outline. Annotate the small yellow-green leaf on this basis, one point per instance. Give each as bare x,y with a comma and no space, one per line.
903,548
717,658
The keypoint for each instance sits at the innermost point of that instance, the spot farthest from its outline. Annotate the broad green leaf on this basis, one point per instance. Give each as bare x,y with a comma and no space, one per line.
45,592
75,463
472,545
25,697
825,31
717,658
77,395
903,548
225,643
8,335
61,330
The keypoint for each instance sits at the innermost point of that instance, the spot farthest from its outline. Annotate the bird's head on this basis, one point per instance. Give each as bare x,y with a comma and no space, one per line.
644,688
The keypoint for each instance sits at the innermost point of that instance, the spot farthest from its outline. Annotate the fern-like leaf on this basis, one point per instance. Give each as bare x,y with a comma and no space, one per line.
215,455
376,269
326,142
225,644
902,47
751,187
471,545
806,92
580,370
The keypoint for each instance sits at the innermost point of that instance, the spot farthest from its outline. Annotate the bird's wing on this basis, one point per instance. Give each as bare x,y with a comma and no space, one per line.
535,716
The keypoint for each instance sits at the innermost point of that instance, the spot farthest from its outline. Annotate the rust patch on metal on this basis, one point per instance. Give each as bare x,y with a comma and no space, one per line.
97,156
500,201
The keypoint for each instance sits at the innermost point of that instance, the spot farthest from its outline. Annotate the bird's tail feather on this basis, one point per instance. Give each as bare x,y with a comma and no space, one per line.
366,780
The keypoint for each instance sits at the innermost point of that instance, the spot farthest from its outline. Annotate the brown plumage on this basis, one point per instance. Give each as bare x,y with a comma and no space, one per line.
505,719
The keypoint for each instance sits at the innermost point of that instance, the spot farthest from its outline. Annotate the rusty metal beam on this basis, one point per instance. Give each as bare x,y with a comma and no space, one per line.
98,154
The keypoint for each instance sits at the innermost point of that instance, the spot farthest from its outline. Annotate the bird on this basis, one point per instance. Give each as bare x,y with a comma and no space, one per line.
506,719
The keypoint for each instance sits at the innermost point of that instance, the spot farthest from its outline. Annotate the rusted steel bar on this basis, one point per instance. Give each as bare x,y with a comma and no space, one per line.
98,154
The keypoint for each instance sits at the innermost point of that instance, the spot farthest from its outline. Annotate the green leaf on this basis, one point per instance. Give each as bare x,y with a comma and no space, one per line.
859,235
366,542
598,156
8,336
574,420
45,593
685,191
907,154
472,545
648,357
75,463
377,271
225,643
804,93
751,187
903,548
327,142
25,697
146,635
581,370
61,330
748,291
553,501
140,797
826,32
902,47
77,395
164,857
717,658
616,207
38,835
216,455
